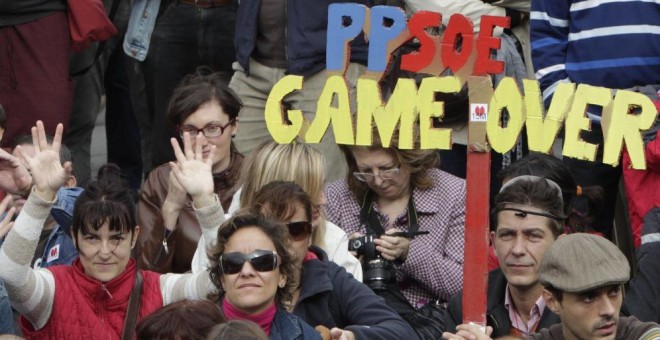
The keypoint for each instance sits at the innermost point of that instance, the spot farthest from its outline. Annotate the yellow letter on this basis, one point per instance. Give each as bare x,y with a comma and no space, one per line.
507,95
620,125
282,132
400,107
541,133
576,121
342,125
432,138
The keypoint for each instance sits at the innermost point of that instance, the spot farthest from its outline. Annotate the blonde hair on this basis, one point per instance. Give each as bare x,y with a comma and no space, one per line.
296,162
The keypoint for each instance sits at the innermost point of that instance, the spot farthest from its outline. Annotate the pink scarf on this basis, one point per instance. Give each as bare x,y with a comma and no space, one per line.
263,319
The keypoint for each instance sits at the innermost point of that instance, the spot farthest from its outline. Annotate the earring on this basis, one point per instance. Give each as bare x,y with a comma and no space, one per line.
233,135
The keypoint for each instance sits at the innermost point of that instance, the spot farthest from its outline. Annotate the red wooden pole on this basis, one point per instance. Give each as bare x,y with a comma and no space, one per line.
475,268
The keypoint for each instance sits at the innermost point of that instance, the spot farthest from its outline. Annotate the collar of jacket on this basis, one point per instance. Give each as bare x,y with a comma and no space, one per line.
114,293
497,316
314,278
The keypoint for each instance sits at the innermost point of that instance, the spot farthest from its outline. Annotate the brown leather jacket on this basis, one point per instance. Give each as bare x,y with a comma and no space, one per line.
182,243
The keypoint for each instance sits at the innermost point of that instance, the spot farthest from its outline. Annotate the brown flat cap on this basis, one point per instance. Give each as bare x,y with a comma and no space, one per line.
579,262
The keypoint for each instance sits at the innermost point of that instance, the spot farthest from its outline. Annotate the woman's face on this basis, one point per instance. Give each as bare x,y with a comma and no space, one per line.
104,254
249,290
377,161
208,114
300,247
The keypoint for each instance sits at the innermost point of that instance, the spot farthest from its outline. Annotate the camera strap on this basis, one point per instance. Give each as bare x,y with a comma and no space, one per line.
372,221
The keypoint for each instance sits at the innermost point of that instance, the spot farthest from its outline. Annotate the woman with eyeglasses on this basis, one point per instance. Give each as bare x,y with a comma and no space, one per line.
390,190
304,165
202,106
254,270
325,294
102,294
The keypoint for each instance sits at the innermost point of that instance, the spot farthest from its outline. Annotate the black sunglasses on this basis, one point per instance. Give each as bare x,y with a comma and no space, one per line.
299,230
261,261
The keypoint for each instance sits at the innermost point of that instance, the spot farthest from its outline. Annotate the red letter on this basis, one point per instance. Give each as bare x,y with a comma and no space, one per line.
458,26
416,61
486,42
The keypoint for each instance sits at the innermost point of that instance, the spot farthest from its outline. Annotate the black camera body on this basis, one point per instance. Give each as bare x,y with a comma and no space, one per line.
377,271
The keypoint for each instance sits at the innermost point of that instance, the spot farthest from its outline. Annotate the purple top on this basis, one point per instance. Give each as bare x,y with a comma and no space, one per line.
434,266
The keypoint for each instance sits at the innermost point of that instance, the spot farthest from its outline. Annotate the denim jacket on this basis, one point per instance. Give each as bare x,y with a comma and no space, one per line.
60,248
140,26
287,326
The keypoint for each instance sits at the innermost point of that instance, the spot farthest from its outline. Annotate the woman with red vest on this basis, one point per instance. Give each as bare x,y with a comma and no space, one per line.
102,294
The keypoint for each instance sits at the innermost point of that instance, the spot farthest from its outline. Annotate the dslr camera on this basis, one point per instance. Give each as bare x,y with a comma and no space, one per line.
377,271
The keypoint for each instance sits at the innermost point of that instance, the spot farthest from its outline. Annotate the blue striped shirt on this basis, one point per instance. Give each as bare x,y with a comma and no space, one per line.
609,43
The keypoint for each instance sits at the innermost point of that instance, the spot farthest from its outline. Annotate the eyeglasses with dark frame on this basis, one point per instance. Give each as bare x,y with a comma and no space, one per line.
209,130
299,230
261,260
382,174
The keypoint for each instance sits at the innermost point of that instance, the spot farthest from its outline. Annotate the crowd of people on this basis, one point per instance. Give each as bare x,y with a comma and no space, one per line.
201,226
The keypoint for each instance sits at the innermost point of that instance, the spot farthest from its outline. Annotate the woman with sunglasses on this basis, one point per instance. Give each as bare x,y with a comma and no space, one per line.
326,294
255,274
302,164
202,105
390,190
102,294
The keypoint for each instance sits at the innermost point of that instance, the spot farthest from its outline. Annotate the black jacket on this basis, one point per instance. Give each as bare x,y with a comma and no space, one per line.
497,316
331,297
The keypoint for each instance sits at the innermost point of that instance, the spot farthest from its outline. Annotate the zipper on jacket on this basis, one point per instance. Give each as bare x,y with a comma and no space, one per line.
105,289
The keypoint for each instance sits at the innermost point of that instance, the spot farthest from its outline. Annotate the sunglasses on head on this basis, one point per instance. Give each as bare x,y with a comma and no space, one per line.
299,230
261,261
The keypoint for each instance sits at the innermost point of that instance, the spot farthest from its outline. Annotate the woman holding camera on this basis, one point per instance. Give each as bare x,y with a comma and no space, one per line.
389,191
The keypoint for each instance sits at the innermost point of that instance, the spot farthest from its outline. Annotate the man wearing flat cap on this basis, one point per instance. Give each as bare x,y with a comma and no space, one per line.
583,277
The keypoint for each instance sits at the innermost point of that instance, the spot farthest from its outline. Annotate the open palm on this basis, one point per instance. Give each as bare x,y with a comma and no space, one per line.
191,169
48,173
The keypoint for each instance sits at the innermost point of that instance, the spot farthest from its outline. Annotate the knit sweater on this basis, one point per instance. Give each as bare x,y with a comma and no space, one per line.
614,44
32,292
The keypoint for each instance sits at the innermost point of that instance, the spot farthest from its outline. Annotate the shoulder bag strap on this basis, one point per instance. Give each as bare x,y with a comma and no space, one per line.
133,308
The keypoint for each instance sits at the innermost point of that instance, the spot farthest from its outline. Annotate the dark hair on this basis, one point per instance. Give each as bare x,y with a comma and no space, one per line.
65,153
418,161
107,199
181,320
280,197
581,206
237,330
200,88
276,232
3,118
534,193
558,294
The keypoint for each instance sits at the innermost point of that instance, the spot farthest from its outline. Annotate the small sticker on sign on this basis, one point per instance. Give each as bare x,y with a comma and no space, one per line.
478,112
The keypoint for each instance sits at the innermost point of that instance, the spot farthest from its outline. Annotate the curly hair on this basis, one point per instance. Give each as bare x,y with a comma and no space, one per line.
276,232
417,161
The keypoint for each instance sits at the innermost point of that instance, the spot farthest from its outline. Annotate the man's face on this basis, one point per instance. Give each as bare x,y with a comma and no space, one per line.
520,242
588,315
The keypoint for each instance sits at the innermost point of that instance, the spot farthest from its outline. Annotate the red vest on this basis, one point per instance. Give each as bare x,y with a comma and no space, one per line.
85,308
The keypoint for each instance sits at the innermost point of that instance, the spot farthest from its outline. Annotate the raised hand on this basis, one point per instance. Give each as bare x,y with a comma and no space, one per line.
14,176
191,169
48,173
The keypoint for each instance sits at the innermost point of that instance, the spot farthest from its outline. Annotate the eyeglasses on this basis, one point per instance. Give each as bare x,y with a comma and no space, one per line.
261,261
383,174
209,131
299,230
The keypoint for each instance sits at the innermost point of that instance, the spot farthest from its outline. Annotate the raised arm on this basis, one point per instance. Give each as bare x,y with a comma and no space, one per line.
193,173
32,291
